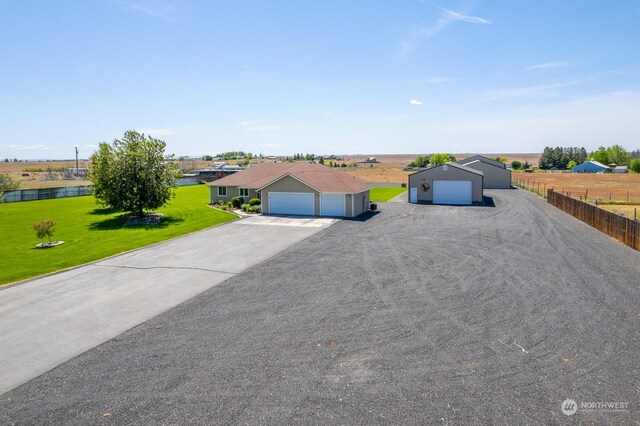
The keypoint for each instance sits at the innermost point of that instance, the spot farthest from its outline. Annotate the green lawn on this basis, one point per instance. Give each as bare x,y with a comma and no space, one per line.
385,193
90,231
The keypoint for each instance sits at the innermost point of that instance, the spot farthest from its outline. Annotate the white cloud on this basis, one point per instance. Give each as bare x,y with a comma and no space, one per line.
27,147
445,18
245,123
415,102
161,9
157,132
522,91
437,80
548,65
456,16
263,128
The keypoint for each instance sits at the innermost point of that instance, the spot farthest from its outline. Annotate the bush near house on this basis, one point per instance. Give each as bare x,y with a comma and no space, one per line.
254,202
237,202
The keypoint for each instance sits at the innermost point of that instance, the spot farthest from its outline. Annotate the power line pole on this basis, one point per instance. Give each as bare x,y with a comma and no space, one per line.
77,169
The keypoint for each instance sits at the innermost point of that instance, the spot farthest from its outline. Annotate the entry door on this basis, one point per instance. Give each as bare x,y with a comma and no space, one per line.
413,195
452,192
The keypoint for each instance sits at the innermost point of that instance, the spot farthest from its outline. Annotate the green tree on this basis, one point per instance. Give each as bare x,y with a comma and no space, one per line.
207,158
321,161
516,165
132,174
618,155
7,183
420,161
45,228
600,155
571,164
501,160
440,159
635,165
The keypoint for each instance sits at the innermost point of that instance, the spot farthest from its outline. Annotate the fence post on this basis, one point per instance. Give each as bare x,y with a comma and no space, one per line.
586,193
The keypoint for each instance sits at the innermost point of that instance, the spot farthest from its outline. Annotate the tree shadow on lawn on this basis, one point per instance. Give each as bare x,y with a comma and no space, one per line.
103,211
118,222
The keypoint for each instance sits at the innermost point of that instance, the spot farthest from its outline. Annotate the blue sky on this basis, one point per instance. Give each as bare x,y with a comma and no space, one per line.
343,77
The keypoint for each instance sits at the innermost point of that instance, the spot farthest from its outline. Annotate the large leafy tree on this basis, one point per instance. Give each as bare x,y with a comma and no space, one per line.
7,183
440,159
132,174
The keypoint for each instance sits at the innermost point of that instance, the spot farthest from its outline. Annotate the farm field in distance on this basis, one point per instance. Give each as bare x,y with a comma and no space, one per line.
605,187
91,232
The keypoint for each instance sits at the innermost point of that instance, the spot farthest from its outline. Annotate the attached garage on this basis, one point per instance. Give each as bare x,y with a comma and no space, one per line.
293,203
457,192
449,183
333,205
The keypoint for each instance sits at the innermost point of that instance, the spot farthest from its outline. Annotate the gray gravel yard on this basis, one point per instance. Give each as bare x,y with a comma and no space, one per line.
420,314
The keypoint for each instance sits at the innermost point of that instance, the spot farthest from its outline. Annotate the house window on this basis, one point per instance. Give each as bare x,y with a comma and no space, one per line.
244,192
222,191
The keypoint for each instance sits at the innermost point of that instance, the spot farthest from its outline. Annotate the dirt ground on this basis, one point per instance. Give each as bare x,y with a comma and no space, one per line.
629,210
609,186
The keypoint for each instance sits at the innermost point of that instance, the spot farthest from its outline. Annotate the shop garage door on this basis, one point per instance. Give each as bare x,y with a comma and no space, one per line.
295,203
332,205
452,192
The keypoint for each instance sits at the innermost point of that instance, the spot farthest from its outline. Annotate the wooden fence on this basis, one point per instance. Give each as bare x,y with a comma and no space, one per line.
614,225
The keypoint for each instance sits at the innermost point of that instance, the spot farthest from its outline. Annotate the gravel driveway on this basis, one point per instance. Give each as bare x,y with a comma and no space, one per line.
420,314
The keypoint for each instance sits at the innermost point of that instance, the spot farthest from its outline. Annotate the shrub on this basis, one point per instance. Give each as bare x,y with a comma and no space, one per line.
254,202
237,202
254,209
244,207
635,165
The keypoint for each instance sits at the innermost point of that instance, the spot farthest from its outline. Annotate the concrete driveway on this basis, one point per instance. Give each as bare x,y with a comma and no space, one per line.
50,320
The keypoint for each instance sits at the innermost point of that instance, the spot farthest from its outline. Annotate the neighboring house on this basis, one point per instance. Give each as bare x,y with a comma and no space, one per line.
495,177
620,169
300,188
483,159
450,183
591,167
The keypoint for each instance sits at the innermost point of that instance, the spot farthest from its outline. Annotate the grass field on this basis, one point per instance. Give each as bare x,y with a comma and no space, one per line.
383,193
629,210
91,232
606,187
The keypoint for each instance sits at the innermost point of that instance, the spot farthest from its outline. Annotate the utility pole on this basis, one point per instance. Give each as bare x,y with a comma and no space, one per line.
77,170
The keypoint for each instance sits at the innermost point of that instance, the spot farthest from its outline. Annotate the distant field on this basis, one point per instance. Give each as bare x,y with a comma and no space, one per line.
91,232
385,193
607,186
625,210
389,168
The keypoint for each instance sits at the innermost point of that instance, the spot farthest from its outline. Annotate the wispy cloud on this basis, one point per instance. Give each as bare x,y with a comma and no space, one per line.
456,16
161,9
157,132
27,147
252,126
523,91
438,80
446,17
415,102
548,65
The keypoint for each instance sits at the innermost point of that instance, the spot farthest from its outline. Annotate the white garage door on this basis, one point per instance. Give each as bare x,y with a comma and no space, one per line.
297,203
332,205
452,192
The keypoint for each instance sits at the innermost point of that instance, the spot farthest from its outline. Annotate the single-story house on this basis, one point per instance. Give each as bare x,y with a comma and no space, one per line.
483,159
495,177
450,183
620,169
591,167
300,188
